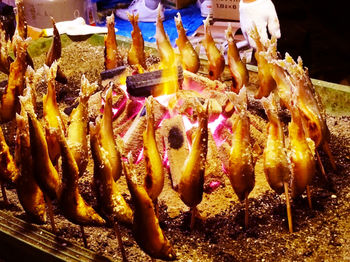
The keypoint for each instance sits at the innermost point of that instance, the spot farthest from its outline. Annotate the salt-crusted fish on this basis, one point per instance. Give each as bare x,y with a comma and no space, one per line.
215,58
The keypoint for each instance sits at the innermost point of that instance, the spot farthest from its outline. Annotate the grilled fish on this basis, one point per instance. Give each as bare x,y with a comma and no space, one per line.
72,203
107,136
302,151
189,57
154,179
112,56
52,114
147,232
110,200
266,81
29,193
15,86
276,166
45,173
78,126
241,169
215,58
136,55
191,182
54,53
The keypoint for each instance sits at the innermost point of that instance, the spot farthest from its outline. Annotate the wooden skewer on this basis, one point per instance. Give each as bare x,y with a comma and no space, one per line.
51,216
246,211
321,166
4,195
120,241
193,217
83,236
330,155
309,196
289,209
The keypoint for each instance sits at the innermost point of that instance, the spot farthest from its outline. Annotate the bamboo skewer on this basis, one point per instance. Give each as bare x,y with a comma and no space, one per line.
83,236
330,155
289,209
246,211
309,196
321,166
193,217
120,241
4,195
50,212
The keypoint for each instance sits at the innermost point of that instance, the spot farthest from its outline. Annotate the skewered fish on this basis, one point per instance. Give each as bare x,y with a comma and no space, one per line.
302,151
147,232
8,167
191,182
107,136
241,166
189,57
112,56
54,53
21,31
72,203
310,106
110,200
166,51
154,179
238,69
78,126
241,169
215,58
136,55
276,166
15,86
29,193
52,114
45,173
5,45
266,81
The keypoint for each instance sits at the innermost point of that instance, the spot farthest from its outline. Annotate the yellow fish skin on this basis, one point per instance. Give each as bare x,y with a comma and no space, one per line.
16,81
166,51
266,81
112,56
147,232
215,58
52,114
276,166
107,137
77,129
74,207
241,167
29,193
8,167
189,57
302,151
110,200
136,55
154,179
45,173
190,186
237,68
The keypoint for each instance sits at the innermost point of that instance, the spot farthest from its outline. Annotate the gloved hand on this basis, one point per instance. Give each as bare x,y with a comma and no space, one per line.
261,13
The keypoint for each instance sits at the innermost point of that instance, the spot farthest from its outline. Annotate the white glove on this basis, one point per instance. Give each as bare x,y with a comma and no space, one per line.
261,13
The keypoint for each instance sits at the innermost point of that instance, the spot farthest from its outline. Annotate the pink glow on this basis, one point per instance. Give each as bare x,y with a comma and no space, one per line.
164,99
214,185
140,157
